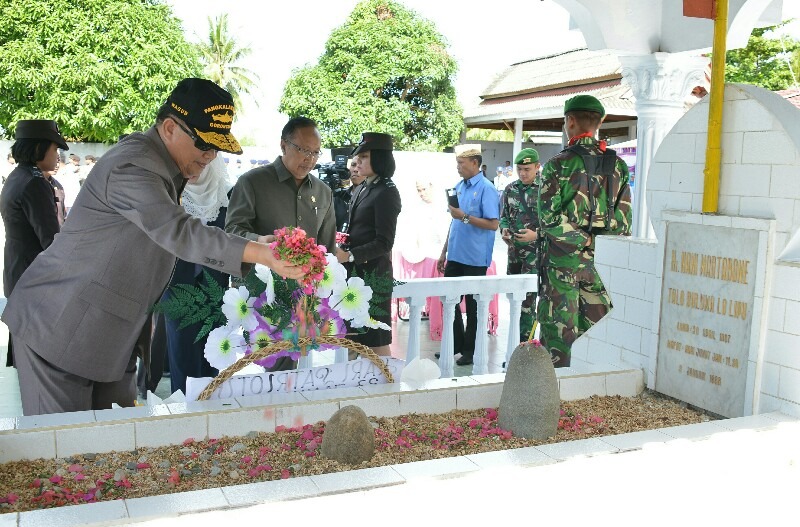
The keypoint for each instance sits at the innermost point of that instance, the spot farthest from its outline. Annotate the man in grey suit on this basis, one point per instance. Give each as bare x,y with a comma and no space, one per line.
83,304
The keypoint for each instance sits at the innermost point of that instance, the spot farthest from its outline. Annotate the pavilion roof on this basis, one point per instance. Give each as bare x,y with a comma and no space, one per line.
535,90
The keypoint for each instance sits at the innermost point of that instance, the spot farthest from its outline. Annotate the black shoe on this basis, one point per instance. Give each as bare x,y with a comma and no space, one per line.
437,354
465,360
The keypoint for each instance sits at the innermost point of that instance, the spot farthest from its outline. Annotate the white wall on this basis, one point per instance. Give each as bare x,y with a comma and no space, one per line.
760,178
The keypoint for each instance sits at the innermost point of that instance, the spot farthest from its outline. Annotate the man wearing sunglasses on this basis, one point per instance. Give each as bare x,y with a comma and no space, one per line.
81,312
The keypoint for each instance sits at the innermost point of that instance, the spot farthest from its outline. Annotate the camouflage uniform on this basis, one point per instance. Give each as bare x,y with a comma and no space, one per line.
572,206
519,211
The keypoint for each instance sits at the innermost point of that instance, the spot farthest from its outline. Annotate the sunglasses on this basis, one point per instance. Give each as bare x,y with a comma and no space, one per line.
198,144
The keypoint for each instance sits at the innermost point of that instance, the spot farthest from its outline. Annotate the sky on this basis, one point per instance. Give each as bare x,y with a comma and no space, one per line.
484,38
288,35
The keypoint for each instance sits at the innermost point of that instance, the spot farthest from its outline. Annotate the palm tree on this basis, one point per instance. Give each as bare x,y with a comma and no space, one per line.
221,54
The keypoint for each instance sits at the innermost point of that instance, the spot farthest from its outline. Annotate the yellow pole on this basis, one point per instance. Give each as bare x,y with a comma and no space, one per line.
714,148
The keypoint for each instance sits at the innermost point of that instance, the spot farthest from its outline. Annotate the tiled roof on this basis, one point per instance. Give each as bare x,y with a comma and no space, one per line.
579,66
792,95
536,90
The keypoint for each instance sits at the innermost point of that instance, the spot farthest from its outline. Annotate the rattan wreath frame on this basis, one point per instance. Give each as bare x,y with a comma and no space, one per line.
302,342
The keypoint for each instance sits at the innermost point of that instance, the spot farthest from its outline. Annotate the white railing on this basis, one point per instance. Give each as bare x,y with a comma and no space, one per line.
450,290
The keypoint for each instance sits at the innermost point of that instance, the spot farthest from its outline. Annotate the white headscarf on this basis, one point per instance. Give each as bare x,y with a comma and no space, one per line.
203,198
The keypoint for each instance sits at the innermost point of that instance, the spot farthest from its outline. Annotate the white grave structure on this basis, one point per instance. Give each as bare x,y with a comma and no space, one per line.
743,335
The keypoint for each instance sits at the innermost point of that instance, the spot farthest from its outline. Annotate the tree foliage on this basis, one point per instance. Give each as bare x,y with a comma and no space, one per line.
221,56
100,68
764,62
386,69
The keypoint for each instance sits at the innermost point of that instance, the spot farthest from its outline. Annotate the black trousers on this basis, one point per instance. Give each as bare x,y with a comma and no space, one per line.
464,338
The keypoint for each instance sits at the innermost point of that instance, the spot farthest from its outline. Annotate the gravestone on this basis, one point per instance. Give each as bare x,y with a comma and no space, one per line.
707,303
349,437
530,402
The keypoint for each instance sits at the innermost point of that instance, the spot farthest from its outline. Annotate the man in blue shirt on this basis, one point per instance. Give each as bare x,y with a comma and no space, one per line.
468,249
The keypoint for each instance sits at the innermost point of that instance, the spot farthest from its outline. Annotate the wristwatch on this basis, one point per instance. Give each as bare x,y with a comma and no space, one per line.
465,219
351,258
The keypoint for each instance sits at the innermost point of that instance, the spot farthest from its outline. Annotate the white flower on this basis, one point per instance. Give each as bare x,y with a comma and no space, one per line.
367,321
334,277
238,307
352,301
264,274
221,347
259,338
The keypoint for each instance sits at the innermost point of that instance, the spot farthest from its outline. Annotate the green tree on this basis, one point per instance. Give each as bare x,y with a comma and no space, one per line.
484,134
100,68
386,69
221,55
764,61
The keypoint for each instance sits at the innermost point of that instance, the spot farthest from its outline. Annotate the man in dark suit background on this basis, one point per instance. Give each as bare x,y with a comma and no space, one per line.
84,304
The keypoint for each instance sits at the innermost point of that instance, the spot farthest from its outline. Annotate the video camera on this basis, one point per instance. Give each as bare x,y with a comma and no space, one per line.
335,172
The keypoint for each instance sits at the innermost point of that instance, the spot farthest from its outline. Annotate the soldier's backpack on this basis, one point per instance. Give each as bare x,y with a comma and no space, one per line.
602,165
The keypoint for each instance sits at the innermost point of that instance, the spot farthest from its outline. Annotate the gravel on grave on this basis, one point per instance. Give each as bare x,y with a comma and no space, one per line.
209,463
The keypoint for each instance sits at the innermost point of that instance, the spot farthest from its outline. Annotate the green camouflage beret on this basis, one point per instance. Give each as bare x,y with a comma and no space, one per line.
527,156
585,103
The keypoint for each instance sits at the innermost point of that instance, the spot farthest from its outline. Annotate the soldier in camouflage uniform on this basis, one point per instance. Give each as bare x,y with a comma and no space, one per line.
519,221
584,192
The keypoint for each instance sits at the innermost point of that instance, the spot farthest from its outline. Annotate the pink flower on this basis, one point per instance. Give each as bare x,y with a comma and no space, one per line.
9,498
79,477
285,474
55,480
75,468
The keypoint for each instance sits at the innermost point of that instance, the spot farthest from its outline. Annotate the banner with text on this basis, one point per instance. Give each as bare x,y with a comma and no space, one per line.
706,315
359,372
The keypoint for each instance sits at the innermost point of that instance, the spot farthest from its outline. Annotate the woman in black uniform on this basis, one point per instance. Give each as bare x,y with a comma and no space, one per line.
372,225
28,201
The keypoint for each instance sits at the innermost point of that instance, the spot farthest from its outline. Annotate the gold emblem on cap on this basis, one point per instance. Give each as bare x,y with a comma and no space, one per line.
219,107
222,117
526,160
221,141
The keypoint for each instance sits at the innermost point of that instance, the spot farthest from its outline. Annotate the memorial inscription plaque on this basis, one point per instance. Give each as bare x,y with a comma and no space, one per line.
706,315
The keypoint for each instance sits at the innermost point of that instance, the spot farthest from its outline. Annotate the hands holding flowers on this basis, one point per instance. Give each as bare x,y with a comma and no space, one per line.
270,308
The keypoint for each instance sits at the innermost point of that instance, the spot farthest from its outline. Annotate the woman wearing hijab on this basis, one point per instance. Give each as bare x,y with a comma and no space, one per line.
372,225
206,198
28,200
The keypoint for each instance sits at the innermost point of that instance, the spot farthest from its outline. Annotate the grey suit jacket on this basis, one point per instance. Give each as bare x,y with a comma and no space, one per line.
83,302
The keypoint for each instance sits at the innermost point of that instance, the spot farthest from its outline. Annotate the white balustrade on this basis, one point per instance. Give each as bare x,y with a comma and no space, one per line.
450,290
